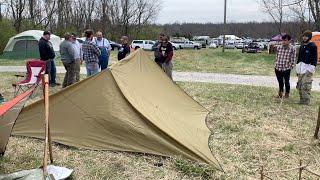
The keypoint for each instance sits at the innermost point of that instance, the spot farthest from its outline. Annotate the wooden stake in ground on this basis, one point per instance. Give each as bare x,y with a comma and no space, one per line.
300,169
47,145
318,126
261,172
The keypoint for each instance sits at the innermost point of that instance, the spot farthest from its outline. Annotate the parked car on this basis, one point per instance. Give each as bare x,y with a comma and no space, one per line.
202,43
114,45
212,46
230,45
239,45
203,40
80,40
251,48
187,45
144,44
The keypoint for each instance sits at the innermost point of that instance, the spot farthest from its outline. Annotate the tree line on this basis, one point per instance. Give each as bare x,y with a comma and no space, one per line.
136,19
248,29
113,17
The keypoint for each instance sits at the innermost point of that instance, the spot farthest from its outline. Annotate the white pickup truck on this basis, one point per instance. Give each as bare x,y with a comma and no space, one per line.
188,44
144,44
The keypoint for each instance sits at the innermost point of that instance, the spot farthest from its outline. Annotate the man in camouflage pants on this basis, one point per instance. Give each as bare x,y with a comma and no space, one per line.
306,64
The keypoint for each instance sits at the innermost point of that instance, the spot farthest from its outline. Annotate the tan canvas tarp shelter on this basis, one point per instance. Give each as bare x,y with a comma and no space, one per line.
133,106
8,115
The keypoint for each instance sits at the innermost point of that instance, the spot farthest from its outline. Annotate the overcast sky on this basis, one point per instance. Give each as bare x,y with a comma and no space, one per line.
210,11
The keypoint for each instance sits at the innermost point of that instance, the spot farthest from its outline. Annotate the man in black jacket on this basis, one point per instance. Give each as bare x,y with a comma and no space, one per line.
306,66
124,51
157,51
47,54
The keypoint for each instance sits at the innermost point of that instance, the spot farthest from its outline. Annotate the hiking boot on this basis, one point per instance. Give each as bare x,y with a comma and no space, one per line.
304,101
54,84
286,95
280,95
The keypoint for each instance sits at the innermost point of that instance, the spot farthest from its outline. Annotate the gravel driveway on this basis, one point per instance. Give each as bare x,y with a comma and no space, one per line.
266,81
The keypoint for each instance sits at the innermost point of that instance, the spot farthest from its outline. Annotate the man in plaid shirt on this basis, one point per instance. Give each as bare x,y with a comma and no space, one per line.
285,59
91,53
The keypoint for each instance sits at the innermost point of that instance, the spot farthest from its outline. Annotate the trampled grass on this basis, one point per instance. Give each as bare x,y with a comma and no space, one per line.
249,128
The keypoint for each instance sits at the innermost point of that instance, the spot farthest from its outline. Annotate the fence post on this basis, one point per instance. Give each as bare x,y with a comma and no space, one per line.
300,169
318,126
261,172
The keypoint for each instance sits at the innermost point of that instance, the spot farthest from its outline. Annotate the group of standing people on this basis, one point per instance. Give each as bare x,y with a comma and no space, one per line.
94,51
305,66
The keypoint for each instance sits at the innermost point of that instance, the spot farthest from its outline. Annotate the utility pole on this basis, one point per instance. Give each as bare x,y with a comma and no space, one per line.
281,15
0,11
224,25
309,20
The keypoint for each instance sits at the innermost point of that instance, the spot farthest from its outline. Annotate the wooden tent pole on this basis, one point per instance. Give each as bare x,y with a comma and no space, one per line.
318,126
50,144
47,145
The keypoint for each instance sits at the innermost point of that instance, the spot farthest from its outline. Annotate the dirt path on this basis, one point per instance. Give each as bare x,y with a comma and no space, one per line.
266,81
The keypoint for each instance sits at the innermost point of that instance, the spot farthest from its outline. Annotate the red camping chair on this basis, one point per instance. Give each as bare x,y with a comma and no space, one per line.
33,76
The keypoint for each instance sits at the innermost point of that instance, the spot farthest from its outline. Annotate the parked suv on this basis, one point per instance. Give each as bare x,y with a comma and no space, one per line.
144,44
251,48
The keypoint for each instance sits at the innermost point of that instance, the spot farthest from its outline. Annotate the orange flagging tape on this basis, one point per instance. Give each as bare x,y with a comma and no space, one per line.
8,105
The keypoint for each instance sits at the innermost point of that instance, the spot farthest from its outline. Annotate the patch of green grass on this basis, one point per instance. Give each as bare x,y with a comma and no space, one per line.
250,127
207,60
22,62
194,170
229,62
12,62
288,148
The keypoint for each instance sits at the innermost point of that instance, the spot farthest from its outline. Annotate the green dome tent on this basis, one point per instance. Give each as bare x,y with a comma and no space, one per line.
25,45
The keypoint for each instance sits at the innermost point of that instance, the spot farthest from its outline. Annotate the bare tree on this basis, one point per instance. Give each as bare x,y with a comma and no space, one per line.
275,8
115,17
315,11
32,4
298,13
17,8
1,5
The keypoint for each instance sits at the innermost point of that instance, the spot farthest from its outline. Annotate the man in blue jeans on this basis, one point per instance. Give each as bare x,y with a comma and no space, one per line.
47,54
105,49
285,59
91,52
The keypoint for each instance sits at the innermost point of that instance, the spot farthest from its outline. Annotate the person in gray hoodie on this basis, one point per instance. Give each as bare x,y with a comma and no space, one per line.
68,59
